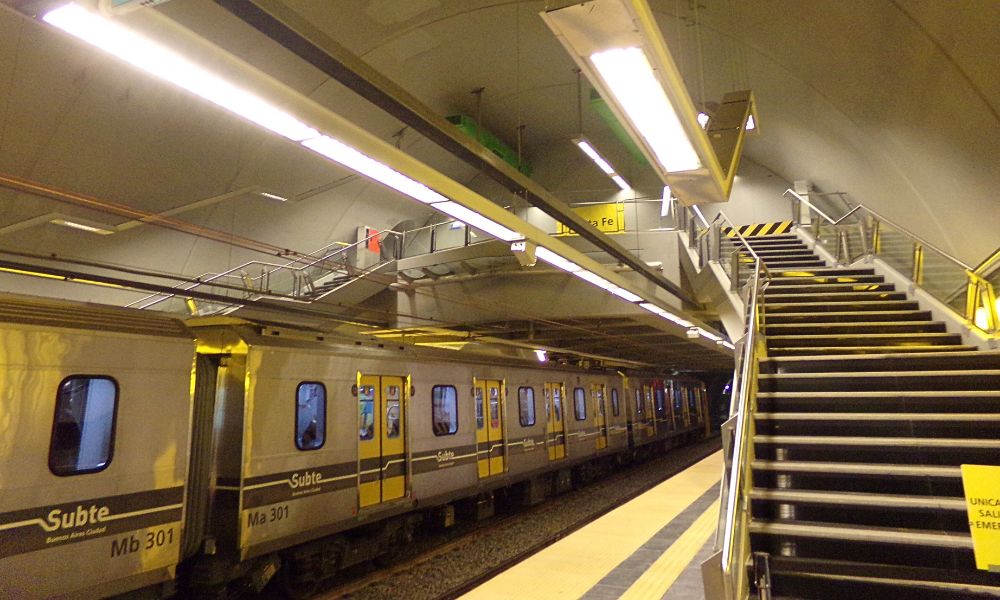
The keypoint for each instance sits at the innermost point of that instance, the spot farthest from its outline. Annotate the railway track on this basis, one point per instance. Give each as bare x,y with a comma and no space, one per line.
450,568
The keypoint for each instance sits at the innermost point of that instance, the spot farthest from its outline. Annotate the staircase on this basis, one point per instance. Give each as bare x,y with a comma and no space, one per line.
866,408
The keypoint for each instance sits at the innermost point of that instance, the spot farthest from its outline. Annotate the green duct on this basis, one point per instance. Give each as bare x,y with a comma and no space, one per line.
491,142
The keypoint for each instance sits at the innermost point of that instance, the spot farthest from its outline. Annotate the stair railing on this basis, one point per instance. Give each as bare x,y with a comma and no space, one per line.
862,232
733,536
299,271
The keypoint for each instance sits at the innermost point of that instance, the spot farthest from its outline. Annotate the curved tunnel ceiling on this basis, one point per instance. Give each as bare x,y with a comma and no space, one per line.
892,101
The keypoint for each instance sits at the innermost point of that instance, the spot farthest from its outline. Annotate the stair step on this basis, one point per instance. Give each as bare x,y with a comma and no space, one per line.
886,361
868,339
823,289
833,351
886,501
971,379
881,417
877,442
827,272
871,423
855,328
860,469
841,306
906,537
902,584
845,296
849,317
965,401
787,263
809,280
803,251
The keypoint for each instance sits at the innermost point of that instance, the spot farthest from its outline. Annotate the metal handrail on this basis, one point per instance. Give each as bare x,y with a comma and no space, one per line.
734,530
209,278
881,218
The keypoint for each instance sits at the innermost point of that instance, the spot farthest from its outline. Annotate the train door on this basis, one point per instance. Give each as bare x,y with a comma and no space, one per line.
488,394
600,415
556,428
381,438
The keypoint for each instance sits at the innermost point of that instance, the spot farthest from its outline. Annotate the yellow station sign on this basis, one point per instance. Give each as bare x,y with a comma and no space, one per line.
608,218
982,500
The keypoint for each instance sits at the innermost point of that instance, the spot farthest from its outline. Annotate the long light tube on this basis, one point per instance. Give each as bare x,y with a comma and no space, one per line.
630,78
474,219
166,64
602,164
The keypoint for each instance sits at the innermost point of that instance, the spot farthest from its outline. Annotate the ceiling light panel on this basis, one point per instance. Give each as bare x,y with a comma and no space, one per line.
619,47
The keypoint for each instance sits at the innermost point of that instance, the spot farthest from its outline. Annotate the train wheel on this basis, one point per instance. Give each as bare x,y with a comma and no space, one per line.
300,578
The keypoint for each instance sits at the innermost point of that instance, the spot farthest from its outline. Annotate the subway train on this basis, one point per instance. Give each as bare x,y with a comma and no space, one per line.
142,456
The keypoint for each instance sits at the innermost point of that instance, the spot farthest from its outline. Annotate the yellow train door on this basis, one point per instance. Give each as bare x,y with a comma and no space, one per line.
381,439
600,417
556,428
488,398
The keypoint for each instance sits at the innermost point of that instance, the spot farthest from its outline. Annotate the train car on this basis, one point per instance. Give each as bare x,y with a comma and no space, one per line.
95,415
142,453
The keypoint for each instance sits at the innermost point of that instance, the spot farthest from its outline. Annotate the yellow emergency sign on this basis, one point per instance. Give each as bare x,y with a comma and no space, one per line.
982,501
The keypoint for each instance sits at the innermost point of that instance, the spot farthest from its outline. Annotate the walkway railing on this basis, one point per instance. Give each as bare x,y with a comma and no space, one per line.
862,232
301,279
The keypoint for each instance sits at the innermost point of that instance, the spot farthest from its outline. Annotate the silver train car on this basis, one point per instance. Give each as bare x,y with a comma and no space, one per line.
141,455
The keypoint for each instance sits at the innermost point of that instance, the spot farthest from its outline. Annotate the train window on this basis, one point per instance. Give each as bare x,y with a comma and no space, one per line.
83,429
638,402
526,406
392,410
310,415
658,396
366,404
615,408
579,404
478,398
494,407
444,409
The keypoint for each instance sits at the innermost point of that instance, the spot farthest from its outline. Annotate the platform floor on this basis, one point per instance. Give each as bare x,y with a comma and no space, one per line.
641,550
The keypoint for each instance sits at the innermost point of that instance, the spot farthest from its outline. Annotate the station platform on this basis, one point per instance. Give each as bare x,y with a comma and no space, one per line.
648,548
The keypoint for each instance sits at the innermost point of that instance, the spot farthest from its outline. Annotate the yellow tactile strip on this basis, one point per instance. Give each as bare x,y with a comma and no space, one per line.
571,566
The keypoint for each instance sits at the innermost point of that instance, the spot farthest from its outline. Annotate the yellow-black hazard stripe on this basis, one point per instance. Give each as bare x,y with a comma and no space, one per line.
758,229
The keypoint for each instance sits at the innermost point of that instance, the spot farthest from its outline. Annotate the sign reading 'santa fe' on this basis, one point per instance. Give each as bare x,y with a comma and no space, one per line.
982,499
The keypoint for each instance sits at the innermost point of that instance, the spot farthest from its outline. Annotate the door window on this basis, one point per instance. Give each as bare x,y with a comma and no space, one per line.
392,411
480,417
366,403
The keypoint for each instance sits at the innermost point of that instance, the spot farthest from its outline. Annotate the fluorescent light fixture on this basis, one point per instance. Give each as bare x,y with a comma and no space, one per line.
726,344
630,78
542,355
703,120
271,196
349,157
81,226
474,219
594,156
603,164
557,261
660,312
668,202
167,64
709,335
750,124
162,62
626,295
